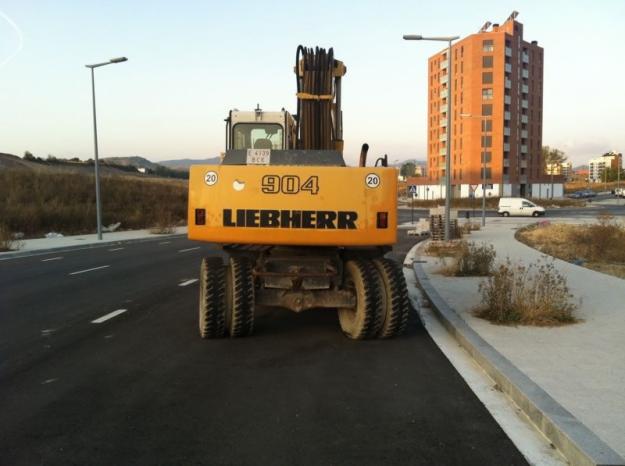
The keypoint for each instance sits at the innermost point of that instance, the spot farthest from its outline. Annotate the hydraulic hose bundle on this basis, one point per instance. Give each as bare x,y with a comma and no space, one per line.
318,99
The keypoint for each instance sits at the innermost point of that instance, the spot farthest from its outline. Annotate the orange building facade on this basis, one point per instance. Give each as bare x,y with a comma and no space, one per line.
497,91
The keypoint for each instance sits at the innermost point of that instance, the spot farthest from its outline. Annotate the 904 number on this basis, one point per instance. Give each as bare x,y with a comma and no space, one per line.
289,184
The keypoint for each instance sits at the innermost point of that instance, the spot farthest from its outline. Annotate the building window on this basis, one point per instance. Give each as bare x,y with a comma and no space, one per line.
487,141
487,77
487,46
487,109
488,125
487,61
485,175
487,156
487,93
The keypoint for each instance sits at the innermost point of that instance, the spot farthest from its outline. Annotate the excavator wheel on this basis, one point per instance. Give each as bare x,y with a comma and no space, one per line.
212,315
365,319
394,293
239,297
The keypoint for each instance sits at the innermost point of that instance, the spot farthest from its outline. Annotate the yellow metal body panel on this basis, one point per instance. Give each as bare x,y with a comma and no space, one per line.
293,205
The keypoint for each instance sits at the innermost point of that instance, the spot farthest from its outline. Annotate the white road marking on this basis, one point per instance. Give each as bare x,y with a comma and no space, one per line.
47,381
108,316
89,270
52,259
46,332
164,242
189,249
115,249
188,282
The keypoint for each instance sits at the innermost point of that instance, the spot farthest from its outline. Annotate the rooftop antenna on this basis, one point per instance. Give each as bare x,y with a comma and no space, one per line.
512,16
487,24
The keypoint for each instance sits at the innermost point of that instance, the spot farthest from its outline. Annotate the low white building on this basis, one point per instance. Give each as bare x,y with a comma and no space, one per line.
465,191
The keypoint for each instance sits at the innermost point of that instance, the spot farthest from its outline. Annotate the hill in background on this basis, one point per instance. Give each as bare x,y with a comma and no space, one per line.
184,164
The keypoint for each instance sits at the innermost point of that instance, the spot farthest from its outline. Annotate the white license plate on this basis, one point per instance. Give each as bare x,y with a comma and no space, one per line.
258,156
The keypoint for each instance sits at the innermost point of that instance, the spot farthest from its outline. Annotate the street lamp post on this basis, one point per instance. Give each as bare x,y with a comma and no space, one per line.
449,40
483,152
95,142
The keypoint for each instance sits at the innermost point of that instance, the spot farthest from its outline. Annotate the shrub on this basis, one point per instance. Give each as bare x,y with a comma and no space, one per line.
7,241
465,259
534,295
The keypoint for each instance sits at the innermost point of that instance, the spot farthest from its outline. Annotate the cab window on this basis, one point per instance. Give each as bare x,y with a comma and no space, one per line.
528,204
257,136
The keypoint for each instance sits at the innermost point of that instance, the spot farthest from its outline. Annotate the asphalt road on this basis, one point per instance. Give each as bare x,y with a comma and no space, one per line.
405,215
141,387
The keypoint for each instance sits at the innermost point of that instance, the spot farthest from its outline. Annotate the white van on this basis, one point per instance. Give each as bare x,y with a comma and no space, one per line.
519,206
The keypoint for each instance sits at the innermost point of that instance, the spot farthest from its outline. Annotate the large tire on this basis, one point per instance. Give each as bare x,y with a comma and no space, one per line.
212,315
395,303
239,297
506,214
365,319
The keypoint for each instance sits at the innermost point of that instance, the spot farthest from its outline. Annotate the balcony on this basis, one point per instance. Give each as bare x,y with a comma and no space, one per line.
525,58
508,68
442,151
444,64
443,122
523,134
524,118
507,99
524,104
525,74
443,94
444,79
525,88
506,162
506,147
523,149
508,84
506,115
523,179
508,52
506,131
523,163
443,137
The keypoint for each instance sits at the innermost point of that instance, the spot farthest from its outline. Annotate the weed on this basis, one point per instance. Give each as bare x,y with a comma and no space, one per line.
8,242
534,295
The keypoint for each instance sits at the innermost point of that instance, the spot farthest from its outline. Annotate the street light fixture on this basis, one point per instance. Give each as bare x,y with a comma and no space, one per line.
95,141
449,40
483,119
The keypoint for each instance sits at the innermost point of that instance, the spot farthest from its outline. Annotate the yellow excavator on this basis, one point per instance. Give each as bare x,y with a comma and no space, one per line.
301,229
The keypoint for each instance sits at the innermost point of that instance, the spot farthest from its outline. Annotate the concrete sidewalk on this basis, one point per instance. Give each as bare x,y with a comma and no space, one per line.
65,243
582,366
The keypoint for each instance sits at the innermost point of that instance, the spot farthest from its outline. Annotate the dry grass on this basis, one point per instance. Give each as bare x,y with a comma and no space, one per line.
35,203
463,259
599,246
534,295
7,240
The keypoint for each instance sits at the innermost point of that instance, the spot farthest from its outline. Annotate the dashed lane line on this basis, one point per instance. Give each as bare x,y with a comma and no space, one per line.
108,316
89,270
52,259
115,249
189,249
164,242
188,282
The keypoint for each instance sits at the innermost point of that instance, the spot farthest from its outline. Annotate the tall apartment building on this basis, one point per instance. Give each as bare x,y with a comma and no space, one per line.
496,89
597,166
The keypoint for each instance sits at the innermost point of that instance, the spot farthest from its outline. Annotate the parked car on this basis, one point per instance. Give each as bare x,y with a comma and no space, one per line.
586,193
519,206
576,195
619,192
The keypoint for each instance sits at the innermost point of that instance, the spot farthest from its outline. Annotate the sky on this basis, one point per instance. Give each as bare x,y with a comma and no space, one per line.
190,62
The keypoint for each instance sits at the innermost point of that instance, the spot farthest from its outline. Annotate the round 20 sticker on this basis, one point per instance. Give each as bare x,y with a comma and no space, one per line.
372,180
210,178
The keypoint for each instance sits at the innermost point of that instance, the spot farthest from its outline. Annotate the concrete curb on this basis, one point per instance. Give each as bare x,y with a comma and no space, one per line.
78,247
577,443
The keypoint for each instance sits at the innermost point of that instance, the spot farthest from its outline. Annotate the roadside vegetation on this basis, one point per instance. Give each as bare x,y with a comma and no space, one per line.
464,259
8,242
35,203
598,246
526,295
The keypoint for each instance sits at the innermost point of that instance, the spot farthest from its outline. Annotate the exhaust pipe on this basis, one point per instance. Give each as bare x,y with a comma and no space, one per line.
363,154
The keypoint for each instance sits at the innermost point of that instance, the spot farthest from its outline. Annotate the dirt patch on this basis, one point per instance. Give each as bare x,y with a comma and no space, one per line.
597,246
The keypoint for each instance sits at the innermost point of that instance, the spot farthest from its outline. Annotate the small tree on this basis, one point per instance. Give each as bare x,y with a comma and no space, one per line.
553,160
28,155
408,169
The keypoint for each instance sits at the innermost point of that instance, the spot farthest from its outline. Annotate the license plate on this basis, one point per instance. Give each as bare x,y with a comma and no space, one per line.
258,156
